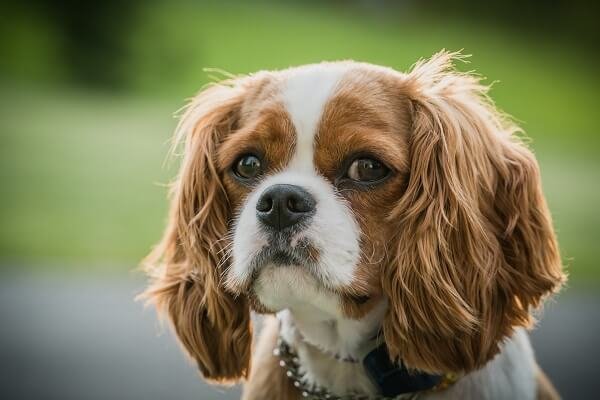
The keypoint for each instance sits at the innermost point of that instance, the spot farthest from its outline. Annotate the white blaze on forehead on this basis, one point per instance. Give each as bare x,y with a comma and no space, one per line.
305,95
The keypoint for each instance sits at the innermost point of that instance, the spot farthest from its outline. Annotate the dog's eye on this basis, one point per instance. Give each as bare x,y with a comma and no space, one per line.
248,166
367,170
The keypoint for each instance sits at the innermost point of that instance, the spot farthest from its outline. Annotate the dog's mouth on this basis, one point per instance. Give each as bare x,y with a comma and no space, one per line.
276,258
280,255
283,251
288,271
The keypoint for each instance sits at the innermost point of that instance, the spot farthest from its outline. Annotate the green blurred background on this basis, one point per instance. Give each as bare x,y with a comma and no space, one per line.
89,91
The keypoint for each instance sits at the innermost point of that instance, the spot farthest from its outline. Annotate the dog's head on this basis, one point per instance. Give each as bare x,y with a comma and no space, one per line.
344,184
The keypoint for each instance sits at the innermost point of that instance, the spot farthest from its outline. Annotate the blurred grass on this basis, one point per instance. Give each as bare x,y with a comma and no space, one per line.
81,169
84,173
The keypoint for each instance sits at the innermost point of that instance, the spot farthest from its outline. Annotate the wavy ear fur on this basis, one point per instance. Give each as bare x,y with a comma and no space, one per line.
185,268
476,248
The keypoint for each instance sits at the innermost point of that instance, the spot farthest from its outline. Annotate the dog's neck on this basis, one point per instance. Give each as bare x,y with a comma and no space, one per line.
332,333
330,346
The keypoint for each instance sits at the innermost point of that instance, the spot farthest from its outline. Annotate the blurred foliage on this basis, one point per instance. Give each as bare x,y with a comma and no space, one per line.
88,92
74,41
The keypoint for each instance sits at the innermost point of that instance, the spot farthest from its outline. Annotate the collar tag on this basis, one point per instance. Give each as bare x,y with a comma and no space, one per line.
391,379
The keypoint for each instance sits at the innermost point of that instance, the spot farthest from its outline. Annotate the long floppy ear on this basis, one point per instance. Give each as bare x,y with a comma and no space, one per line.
476,248
186,267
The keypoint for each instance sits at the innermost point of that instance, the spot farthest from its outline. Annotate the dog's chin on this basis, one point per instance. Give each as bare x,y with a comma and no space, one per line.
278,286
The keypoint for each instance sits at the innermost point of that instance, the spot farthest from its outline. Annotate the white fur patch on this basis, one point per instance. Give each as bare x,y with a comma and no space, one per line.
510,375
305,95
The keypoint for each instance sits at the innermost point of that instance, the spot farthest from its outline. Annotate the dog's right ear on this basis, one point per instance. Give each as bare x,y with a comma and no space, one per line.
187,265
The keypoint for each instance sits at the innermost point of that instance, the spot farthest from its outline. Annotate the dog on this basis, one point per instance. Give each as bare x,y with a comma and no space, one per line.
391,226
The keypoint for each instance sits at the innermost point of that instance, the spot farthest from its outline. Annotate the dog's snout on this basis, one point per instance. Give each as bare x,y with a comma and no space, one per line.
281,206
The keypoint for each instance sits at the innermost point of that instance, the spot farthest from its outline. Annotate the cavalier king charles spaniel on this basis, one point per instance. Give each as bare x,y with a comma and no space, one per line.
391,226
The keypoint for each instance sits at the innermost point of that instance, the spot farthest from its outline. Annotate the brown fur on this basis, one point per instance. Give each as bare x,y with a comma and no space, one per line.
213,326
268,380
475,244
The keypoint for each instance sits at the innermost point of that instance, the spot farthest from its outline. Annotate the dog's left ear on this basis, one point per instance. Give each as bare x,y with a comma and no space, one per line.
476,248
187,266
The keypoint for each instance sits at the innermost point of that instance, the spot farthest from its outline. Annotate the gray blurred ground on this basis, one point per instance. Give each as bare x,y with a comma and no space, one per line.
85,338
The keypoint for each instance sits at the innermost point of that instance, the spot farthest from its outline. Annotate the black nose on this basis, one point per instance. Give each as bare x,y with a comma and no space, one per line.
281,206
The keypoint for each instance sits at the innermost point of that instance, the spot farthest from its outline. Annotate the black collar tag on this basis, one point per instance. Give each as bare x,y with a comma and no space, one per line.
391,379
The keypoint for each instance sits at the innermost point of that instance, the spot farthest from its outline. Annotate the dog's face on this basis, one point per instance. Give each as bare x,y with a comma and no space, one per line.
344,184
313,170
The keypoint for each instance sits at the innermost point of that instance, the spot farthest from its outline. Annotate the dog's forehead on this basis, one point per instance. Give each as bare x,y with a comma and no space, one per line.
322,111
305,94
321,96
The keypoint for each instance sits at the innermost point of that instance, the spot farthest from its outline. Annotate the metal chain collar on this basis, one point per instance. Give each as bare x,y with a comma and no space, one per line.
288,360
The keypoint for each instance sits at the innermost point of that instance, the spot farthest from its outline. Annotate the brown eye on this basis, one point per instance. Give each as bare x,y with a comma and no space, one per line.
367,170
248,167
